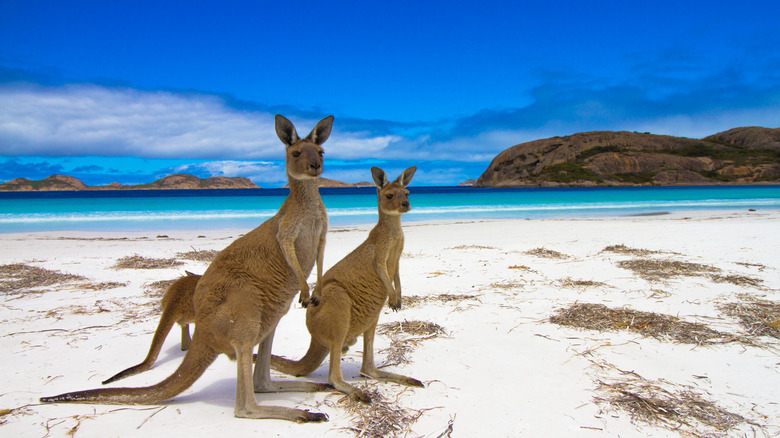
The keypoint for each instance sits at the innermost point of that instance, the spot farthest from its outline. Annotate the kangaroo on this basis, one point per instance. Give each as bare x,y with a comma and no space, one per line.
353,293
246,290
177,308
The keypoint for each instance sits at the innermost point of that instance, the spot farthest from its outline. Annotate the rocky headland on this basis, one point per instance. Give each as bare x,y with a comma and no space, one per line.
749,155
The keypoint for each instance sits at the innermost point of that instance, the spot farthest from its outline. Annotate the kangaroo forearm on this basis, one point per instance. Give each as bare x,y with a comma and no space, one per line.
288,249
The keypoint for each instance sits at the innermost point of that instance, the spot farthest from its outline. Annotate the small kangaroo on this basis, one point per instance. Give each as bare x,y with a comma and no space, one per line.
246,290
177,308
353,293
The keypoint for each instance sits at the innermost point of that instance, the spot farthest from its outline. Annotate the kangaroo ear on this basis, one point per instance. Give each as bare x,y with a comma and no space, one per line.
406,176
380,179
285,130
320,133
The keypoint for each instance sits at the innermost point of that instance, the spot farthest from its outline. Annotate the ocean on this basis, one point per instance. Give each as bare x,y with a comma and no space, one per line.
161,210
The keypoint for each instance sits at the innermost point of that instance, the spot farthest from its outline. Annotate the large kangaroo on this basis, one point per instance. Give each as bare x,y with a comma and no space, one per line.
353,292
176,308
246,290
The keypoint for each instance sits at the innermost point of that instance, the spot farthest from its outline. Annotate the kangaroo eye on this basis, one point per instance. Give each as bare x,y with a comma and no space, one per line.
296,154
389,196
322,153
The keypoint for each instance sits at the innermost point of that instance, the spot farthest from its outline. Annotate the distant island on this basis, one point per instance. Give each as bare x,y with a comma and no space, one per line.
748,155
178,181
175,181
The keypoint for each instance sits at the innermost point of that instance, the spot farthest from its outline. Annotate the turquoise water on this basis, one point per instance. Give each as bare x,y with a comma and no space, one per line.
246,208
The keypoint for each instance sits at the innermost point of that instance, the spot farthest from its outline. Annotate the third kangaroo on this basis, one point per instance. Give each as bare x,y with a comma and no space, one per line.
353,293
177,307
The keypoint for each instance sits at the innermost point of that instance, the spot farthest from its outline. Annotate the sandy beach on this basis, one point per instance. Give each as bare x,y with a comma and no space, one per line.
661,325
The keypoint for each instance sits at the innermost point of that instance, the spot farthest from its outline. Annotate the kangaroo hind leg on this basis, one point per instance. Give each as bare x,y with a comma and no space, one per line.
369,368
330,325
186,340
246,404
262,374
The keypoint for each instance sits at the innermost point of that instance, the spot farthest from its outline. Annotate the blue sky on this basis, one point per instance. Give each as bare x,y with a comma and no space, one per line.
132,91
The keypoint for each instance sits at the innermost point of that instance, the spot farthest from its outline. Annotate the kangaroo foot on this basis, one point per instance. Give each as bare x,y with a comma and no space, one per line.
353,392
292,386
414,382
360,396
392,377
313,417
297,415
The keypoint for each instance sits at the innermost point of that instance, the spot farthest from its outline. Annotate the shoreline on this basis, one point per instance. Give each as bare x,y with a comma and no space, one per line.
165,213
196,233
485,289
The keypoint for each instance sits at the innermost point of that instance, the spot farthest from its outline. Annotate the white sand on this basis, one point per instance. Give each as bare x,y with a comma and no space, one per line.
503,369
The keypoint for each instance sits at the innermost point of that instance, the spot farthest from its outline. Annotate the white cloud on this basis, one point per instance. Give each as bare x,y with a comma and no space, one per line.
704,125
84,120
100,121
350,146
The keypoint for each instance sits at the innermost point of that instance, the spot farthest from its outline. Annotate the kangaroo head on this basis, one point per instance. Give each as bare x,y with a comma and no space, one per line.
304,156
393,198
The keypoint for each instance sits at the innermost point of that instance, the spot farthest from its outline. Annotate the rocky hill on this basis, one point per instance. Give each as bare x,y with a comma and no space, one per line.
176,181
751,137
185,181
602,158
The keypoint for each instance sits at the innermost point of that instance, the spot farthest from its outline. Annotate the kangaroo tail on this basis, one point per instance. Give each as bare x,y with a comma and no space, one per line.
308,363
167,320
195,362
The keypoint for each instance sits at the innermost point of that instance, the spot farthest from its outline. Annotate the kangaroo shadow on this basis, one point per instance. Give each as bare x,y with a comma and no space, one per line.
222,392
171,353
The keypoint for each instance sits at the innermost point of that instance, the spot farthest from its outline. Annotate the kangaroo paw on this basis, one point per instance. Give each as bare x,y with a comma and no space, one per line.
360,396
414,382
312,417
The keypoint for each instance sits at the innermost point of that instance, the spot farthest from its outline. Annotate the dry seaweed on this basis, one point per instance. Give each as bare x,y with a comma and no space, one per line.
139,262
105,285
382,418
418,300
757,316
546,253
19,277
571,283
658,269
415,328
739,280
402,346
662,327
157,289
505,285
758,266
673,407
471,247
198,256
623,249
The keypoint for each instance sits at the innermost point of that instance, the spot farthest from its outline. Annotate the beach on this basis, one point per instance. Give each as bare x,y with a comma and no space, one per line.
654,325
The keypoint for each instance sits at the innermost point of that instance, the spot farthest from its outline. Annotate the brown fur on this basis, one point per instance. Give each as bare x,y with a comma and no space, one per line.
246,290
353,293
177,308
